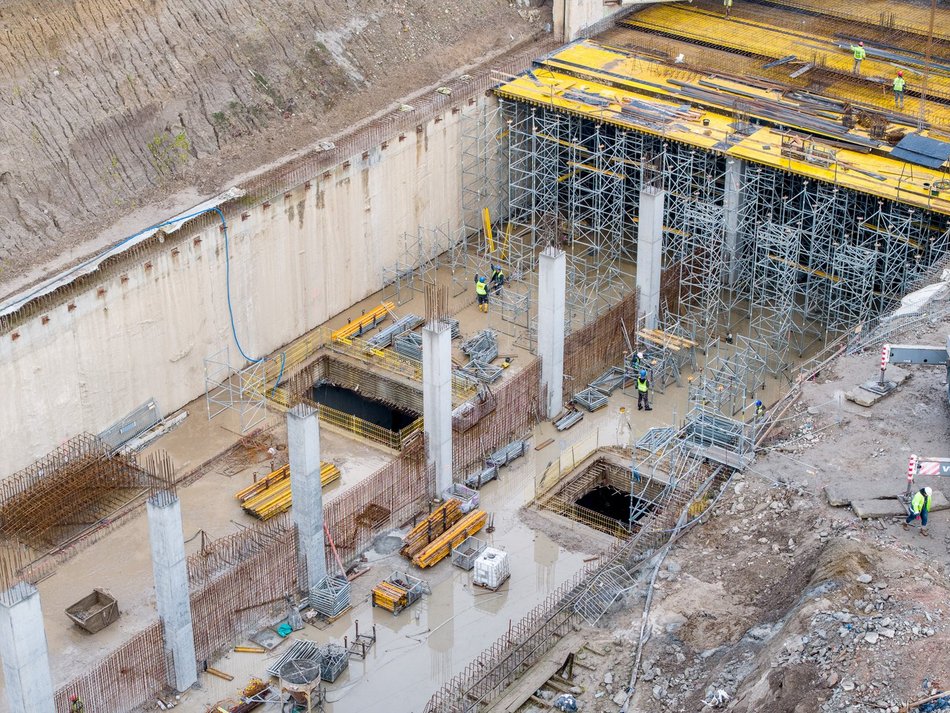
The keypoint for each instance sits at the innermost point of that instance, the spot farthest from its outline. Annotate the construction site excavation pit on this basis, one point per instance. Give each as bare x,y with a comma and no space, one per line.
600,493
381,409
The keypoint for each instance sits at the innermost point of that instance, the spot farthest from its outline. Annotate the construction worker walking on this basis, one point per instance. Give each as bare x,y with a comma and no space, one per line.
920,508
643,392
481,293
899,85
727,4
859,54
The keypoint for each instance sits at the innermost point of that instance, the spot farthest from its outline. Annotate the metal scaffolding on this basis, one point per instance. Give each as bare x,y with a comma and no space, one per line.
786,259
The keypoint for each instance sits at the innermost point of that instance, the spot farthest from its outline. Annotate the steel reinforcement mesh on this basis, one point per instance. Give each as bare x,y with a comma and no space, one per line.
125,678
594,347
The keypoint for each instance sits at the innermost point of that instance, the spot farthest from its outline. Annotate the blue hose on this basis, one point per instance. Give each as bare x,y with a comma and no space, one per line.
227,270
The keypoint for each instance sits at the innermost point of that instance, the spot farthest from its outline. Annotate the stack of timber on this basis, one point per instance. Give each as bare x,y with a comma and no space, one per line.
271,495
439,520
442,546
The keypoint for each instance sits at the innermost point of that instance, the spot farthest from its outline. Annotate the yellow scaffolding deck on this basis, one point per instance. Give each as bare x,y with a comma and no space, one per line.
641,97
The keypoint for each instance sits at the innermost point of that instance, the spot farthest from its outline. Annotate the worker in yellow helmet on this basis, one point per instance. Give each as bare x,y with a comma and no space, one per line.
859,54
920,508
899,84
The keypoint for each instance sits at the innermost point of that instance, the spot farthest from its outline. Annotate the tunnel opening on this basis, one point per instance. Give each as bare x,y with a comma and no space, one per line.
380,413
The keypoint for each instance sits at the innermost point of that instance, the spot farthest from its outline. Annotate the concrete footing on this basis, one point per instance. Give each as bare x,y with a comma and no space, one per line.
23,648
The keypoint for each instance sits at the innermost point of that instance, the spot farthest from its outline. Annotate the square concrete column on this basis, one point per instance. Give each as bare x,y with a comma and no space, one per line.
29,685
172,598
306,489
650,253
731,203
551,289
437,401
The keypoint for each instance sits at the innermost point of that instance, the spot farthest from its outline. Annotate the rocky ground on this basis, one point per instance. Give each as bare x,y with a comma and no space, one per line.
781,603
107,106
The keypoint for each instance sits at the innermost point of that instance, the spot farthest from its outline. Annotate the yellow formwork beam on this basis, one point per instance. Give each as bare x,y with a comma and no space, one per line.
441,547
375,315
271,495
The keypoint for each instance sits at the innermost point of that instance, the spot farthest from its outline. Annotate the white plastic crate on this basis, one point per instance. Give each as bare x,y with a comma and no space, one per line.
491,569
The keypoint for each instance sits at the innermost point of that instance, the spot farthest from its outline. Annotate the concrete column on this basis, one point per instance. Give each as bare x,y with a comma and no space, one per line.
650,253
731,202
551,287
306,489
172,599
23,649
437,401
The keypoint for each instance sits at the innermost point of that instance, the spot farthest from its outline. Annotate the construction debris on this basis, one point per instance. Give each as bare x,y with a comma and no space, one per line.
482,347
385,337
569,419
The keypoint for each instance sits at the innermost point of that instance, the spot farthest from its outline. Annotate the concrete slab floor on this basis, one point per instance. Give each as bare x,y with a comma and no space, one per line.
456,626
119,561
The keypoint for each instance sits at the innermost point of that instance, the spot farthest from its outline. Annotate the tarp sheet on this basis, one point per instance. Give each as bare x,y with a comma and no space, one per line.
922,151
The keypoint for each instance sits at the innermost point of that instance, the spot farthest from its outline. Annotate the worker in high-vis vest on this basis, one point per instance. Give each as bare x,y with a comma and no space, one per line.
643,392
481,292
727,4
899,84
759,410
859,54
920,508
497,278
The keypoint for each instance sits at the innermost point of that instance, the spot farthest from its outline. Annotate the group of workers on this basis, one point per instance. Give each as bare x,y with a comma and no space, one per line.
484,286
898,85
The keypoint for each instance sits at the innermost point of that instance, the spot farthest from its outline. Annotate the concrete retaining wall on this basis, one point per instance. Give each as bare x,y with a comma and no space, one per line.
145,329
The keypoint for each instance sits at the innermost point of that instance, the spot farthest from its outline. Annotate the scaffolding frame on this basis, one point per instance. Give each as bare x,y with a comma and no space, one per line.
242,390
789,260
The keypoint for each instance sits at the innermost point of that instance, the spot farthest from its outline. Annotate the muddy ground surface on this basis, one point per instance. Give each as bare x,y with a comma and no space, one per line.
780,602
109,106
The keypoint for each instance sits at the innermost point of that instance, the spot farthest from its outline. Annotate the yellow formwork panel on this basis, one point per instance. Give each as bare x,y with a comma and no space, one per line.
870,95
876,175
906,16
765,40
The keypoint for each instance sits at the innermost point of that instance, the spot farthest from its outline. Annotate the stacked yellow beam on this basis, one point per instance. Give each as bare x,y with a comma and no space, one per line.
390,596
439,520
355,327
271,495
441,547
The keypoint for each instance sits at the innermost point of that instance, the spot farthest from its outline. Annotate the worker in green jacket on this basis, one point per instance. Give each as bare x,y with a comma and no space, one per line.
859,54
920,508
899,84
